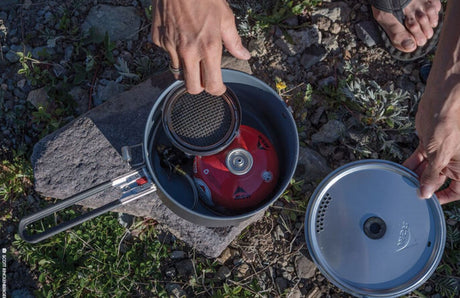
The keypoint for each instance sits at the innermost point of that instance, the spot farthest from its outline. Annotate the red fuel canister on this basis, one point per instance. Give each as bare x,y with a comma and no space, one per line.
239,177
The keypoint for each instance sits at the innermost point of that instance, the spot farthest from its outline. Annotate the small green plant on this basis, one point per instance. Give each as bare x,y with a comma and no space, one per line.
15,178
294,191
146,66
122,67
381,112
378,107
148,12
283,10
34,70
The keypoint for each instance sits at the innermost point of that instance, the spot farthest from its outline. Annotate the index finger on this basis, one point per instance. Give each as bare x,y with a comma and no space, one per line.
450,194
211,72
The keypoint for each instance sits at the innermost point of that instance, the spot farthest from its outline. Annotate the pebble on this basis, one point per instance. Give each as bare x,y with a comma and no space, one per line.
43,52
21,293
304,267
12,57
184,267
257,47
302,40
27,140
278,233
177,255
282,283
243,269
335,28
38,97
329,132
3,15
226,255
368,33
223,273
170,272
175,290
327,81
49,18
313,55
18,93
10,229
125,219
21,83
339,13
331,43
323,23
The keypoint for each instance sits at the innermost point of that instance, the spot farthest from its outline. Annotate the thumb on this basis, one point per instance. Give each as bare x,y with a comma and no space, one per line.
431,178
232,42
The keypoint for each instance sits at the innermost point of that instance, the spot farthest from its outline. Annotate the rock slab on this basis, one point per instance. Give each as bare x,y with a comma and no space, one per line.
87,152
121,23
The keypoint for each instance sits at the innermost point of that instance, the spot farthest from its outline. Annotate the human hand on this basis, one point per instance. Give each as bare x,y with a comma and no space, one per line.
192,33
438,154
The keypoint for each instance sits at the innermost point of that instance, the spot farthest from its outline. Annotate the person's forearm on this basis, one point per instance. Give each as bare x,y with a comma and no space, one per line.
443,86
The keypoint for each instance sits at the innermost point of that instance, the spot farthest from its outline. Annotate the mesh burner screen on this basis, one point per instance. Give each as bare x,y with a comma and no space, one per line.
201,124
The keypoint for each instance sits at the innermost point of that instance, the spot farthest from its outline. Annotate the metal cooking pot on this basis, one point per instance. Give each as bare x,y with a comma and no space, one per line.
262,109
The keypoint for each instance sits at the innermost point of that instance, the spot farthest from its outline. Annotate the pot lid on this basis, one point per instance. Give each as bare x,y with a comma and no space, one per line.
370,234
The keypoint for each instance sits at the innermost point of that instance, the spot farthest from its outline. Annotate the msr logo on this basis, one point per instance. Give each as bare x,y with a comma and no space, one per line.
240,194
404,237
262,144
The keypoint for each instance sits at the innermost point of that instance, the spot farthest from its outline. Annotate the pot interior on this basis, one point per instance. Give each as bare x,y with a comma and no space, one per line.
263,110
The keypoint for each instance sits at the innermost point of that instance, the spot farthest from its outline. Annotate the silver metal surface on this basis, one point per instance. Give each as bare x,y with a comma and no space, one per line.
131,189
239,161
370,234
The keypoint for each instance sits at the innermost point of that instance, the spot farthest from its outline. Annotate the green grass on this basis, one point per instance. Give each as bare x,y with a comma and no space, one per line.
15,179
98,259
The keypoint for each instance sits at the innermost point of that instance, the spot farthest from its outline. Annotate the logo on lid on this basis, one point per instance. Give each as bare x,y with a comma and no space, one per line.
405,237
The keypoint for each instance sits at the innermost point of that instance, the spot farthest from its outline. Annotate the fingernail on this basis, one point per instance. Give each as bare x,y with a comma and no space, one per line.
426,191
246,53
408,44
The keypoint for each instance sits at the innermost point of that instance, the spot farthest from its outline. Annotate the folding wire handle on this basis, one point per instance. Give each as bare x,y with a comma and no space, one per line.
133,185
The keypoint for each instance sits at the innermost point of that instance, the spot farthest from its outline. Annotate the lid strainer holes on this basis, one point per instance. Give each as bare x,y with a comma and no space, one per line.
321,214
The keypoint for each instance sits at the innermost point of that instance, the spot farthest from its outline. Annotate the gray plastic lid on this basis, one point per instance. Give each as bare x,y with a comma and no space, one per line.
370,234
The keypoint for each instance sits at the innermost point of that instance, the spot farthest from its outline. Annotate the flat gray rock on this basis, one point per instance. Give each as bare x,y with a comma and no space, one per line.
121,22
368,33
329,132
311,165
298,41
86,153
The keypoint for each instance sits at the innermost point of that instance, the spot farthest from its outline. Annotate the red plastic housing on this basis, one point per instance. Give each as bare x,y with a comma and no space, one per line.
219,187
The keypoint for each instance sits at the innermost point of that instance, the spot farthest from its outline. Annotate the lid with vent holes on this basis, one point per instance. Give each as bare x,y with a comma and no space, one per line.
370,234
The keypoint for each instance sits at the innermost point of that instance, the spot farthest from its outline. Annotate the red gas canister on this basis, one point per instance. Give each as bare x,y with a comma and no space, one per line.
239,177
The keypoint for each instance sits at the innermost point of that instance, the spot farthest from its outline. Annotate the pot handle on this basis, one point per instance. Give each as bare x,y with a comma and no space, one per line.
134,185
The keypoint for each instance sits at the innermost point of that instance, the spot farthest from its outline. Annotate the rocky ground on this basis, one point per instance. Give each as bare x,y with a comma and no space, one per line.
308,58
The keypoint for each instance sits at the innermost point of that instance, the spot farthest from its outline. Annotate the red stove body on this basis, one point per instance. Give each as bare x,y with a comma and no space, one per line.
241,176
